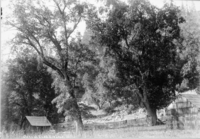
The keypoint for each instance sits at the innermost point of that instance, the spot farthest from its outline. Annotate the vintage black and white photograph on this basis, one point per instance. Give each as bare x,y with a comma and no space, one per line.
92,69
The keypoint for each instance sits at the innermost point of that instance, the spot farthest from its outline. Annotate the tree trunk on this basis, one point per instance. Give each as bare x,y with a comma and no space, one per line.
150,110
153,116
77,114
22,123
78,117
78,120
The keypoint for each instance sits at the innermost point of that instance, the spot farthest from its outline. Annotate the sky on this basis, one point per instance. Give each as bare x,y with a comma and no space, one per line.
7,33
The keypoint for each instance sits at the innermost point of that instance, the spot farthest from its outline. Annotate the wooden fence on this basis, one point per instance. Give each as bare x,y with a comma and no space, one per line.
140,124
186,122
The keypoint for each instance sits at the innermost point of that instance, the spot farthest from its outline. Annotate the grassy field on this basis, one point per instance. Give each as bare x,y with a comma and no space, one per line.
124,133
117,132
131,131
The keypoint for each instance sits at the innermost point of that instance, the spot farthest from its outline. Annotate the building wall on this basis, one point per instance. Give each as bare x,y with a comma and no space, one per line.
183,114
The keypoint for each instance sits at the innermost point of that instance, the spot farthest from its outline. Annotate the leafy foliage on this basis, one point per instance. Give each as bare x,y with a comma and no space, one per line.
143,41
190,49
51,31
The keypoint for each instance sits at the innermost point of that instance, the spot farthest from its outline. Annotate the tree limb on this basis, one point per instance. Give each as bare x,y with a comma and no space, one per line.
55,42
75,26
31,44
53,67
41,50
127,43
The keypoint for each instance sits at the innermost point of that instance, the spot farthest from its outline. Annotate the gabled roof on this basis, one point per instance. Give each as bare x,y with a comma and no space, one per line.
193,98
38,121
190,96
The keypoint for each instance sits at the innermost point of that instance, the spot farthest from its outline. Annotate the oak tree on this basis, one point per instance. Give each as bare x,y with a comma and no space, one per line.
145,42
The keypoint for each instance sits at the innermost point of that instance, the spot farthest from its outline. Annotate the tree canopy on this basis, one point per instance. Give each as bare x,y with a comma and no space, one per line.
145,41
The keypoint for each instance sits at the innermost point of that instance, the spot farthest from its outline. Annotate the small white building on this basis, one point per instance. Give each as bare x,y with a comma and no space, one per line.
37,123
185,110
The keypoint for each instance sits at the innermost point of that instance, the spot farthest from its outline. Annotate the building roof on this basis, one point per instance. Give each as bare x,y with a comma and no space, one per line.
182,99
38,121
193,98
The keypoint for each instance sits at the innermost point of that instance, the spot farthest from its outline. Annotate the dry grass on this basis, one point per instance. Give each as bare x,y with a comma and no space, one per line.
125,133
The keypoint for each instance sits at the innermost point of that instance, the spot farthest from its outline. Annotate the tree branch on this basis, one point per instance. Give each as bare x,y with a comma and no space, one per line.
46,62
55,42
41,50
127,43
53,67
52,37
15,103
29,40
75,26
31,44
